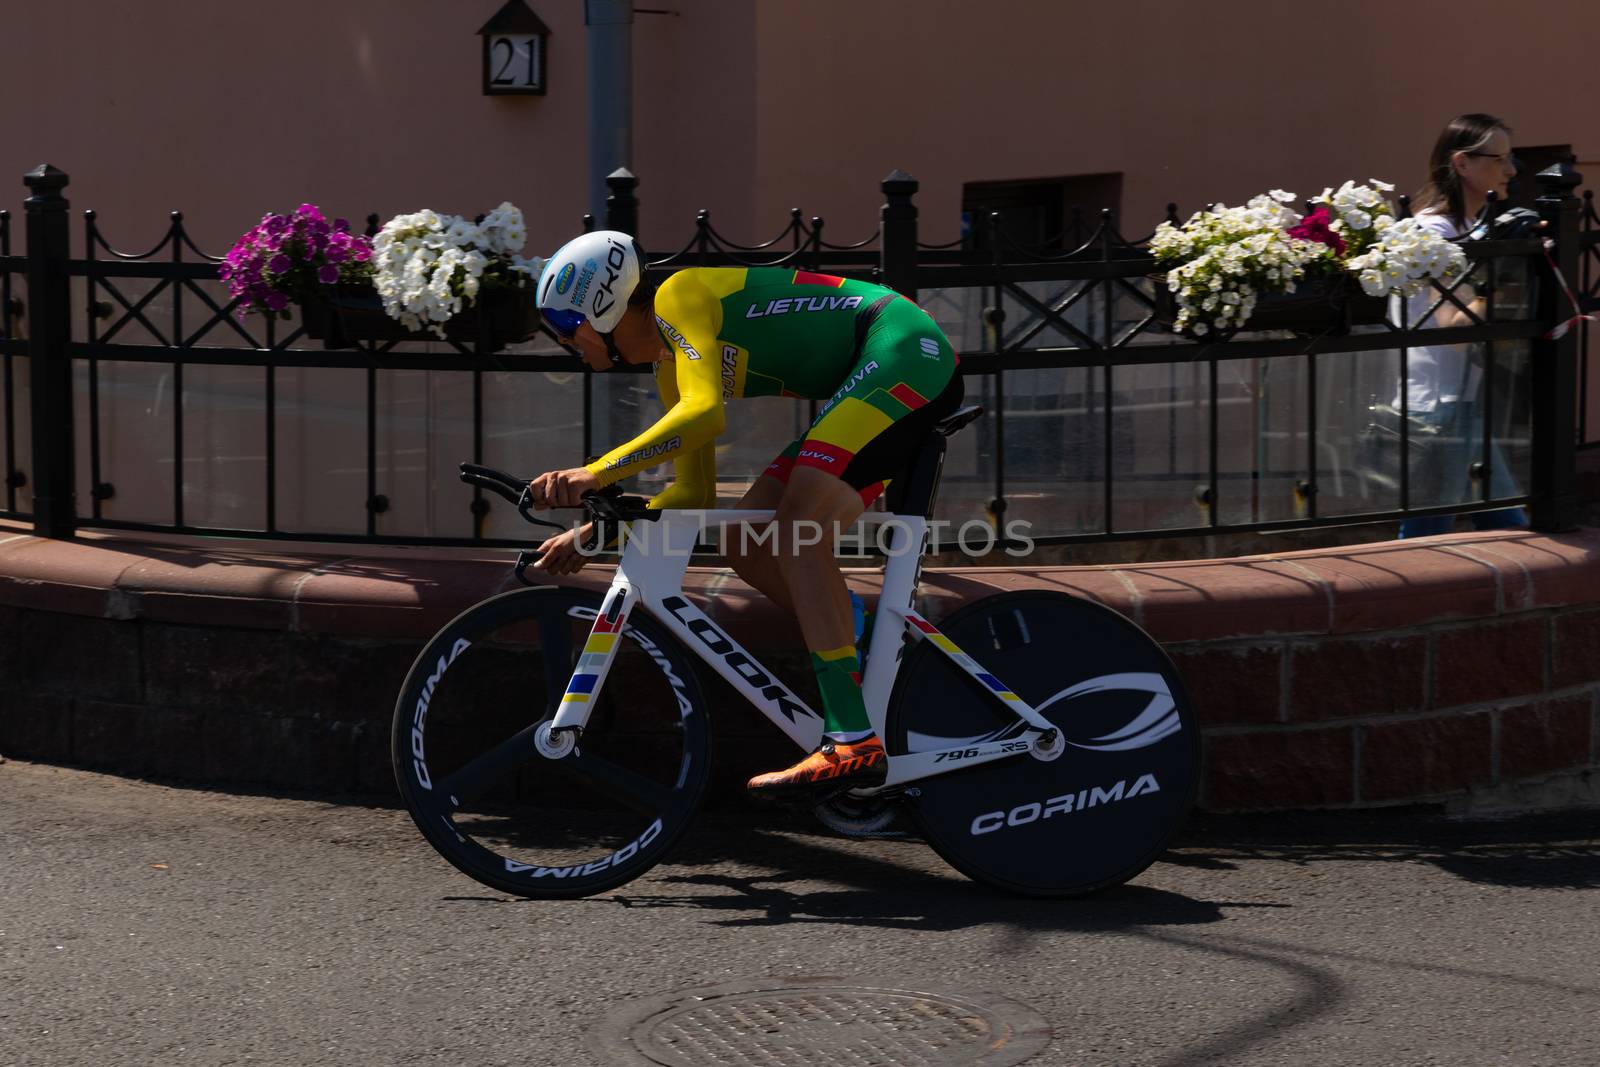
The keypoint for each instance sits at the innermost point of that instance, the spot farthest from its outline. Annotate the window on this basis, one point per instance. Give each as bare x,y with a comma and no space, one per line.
1054,214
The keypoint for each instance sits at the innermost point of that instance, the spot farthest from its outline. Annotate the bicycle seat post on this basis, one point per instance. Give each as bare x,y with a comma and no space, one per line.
915,491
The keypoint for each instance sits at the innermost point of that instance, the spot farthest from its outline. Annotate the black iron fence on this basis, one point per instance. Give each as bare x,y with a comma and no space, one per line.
161,411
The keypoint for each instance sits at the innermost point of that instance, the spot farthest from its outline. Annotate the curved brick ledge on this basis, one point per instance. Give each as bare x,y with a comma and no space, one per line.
1393,672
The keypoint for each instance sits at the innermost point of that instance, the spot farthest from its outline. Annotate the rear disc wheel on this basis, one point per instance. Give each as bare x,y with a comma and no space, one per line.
1100,811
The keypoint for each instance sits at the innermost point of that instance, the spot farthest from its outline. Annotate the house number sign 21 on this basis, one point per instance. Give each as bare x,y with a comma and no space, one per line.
516,63
514,51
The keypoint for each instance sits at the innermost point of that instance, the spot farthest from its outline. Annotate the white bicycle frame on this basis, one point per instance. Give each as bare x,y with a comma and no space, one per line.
655,558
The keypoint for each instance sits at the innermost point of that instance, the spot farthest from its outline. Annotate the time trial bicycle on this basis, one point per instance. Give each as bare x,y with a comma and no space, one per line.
555,742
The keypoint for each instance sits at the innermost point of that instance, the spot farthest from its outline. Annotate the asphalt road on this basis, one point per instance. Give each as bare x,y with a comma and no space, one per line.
143,924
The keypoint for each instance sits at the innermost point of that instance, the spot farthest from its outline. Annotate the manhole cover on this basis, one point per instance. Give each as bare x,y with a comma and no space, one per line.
805,1021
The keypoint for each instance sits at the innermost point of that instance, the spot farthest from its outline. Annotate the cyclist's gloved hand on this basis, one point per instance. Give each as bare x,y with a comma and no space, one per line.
560,555
562,489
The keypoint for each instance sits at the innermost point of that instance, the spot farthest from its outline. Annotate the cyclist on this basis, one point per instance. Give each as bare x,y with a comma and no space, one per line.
885,372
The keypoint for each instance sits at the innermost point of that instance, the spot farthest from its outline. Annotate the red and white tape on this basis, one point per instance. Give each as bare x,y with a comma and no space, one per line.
1560,330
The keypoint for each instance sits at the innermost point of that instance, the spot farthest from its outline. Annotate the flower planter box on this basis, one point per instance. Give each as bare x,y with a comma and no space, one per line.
1317,306
340,318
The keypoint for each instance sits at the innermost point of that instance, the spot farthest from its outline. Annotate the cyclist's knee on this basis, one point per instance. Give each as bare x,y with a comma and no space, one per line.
815,508
816,496
765,492
746,547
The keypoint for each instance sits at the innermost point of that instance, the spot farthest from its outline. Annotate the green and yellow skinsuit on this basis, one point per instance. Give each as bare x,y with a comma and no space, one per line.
883,368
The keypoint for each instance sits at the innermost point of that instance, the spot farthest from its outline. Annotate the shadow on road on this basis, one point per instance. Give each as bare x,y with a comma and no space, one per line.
879,890
941,906
1318,992
1552,850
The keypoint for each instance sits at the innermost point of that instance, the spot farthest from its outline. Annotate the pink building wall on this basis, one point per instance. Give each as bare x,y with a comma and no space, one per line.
1192,102
225,111
228,110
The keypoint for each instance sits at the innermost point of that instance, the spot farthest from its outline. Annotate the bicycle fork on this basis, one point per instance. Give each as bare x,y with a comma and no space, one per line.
561,734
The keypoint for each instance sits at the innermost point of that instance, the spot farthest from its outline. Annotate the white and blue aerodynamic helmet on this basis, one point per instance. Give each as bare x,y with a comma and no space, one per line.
590,279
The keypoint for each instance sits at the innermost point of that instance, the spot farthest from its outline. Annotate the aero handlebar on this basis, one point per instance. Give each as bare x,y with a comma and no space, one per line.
607,508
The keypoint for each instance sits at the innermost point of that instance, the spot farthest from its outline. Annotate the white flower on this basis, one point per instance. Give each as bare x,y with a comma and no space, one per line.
1219,262
428,267
1405,255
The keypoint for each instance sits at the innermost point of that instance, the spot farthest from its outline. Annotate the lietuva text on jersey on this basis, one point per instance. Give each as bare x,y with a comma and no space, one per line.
771,332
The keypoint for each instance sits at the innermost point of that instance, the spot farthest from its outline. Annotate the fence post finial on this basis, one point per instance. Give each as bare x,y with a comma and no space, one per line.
898,255
622,202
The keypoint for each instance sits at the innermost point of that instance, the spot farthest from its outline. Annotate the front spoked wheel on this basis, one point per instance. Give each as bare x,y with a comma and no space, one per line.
1126,765
488,790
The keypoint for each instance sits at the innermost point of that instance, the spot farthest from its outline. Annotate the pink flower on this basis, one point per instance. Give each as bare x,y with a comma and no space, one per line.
290,249
1315,227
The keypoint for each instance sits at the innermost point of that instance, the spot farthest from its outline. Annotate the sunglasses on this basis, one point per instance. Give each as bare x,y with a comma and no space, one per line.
563,322
1498,158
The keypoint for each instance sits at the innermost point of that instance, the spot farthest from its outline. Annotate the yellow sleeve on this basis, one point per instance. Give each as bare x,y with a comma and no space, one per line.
689,317
695,473
695,482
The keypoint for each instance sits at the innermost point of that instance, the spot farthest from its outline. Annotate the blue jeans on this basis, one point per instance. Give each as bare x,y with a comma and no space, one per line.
1463,423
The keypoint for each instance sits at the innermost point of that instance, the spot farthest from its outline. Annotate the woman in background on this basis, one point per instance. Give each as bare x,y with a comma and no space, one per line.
1471,157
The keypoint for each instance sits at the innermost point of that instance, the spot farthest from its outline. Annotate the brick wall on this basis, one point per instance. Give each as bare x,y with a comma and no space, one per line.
1362,675
1395,715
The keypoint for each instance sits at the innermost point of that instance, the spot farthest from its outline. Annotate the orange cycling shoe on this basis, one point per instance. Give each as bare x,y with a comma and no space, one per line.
844,765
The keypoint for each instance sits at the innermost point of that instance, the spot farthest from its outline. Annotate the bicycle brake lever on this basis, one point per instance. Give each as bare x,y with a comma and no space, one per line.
604,519
596,536
525,559
525,509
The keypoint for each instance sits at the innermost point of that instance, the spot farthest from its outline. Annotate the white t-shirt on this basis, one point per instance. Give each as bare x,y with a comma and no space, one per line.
1443,373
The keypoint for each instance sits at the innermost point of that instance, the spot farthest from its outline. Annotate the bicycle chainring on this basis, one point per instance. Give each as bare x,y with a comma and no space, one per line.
860,816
